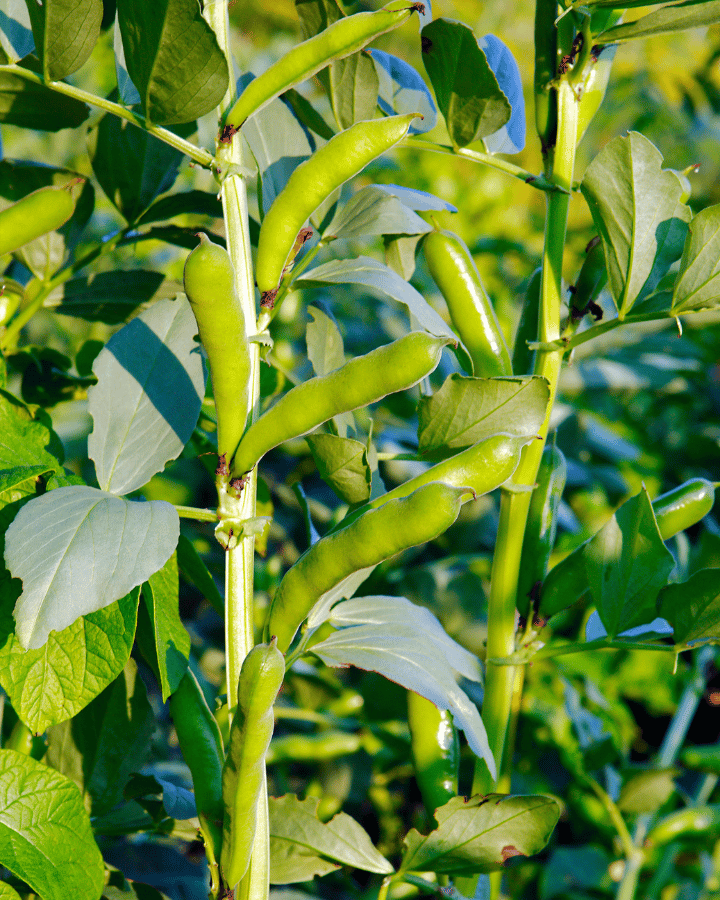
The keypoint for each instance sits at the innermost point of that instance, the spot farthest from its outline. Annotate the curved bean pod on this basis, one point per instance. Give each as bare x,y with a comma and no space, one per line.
34,215
311,183
435,751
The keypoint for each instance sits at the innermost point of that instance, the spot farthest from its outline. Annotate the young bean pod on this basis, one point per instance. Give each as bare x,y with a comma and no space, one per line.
435,751
675,511
34,215
312,182
377,535
344,37
541,526
692,824
261,677
210,288
363,380
201,744
473,316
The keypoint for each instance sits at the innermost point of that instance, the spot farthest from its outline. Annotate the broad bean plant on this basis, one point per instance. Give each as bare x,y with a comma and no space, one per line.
313,494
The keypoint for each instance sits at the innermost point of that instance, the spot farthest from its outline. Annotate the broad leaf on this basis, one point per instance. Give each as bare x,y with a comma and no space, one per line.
29,105
693,607
627,564
647,791
196,572
108,740
482,834
77,550
415,199
343,465
302,846
354,86
637,210
16,37
65,33
8,893
510,138
132,166
45,834
111,297
466,411
374,210
402,90
467,91
409,646
151,382
27,439
172,642
173,59
199,203
666,20
698,282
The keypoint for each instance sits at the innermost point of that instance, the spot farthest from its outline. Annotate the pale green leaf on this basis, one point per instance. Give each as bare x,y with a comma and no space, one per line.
647,791
375,210
343,465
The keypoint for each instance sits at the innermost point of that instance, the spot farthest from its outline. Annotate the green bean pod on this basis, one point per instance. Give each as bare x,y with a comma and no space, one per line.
210,288
344,37
34,215
373,537
523,360
675,511
201,744
691,824
704,757
435,751
473,316
544,74
312,182
541,526
313,747
243,776
363,380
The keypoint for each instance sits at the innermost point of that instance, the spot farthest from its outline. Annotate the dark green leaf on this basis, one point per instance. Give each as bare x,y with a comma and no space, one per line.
172,642
65,33
173,59
316,15
111,297
482,834
466,411
46,838
307,114
196,572
199,203
342,464
693,607
627,564
637,211
667,19
466,88
30,105
698,282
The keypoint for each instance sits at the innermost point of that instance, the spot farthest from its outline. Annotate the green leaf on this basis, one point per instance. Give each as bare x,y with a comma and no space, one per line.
151,383
132,166
27,439
172,642
111,297
77,550
173,58
29,105
666,20
196,572
354,86
698,281
373,210
66,32
637,211
108,740
343,465
627,564
481,834
466,88
45,834
466,411
647,791
326,352
693,607
8,893
198,203
306,113
50,685
570,869
302,846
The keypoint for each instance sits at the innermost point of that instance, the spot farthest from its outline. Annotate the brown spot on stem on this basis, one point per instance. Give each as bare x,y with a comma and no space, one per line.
228,132
595,310
222,470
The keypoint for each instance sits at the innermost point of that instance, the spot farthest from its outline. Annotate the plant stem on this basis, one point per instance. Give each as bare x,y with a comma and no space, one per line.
524,657
200,515
197,154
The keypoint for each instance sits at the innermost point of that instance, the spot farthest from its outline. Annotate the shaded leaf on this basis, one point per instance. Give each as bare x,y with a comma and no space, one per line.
302,846
373,210
636,208
698,282
29,105
172,642
326,352
510,138
78,550
65,33
571,869
111,297
343,465
45,835
466,88
200,203
151,383
466,411
173,59
481,834
693,607
196,572
666,20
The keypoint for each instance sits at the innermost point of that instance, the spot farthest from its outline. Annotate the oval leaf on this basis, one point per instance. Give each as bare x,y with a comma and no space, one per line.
30,105
698,282
65,33
111,297
343,465
374,210
667,19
